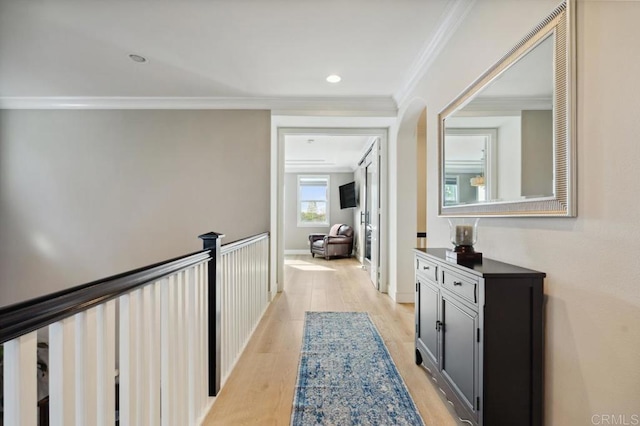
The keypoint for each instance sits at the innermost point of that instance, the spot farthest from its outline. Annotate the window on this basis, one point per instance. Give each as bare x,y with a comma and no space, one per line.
313,200
450,190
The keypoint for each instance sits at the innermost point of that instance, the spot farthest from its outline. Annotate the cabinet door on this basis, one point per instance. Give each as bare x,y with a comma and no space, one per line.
460,348
427,326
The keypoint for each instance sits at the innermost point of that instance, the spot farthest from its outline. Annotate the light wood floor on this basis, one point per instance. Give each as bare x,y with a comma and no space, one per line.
260,389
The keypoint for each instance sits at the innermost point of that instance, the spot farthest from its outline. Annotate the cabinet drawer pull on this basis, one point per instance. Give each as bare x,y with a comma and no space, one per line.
426,268
457,283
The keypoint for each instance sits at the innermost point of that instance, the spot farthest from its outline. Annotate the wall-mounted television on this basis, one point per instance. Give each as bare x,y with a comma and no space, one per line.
348,195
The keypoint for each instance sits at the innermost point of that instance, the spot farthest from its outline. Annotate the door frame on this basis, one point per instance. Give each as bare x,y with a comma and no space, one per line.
277,243
371,157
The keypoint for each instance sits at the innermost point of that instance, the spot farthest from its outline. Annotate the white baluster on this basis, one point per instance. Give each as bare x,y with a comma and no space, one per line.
106,353
204,339
80,332
143,318
128,349
187,350
251,286
190,349
153,343
238,306
179,348
62,372
232,312
20,381
204,348
165,360
135,347
224,318
86,355
255,290
124,361
245,307
197,347
205,334
200,346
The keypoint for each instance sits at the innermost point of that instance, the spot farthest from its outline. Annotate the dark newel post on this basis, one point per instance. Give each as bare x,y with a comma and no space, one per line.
212,241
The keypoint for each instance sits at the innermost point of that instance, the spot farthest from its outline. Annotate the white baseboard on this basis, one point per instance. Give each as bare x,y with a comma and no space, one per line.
403,297
307,251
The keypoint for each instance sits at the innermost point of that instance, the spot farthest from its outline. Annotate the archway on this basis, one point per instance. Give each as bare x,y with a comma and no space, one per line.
411,131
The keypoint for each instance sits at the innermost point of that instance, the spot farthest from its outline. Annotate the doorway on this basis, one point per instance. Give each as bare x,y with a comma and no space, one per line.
378,221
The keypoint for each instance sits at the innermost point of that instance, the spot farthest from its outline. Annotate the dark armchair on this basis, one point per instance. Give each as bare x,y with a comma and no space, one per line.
339,242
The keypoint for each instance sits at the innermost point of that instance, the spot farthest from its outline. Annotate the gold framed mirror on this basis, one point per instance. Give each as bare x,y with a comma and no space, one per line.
506,144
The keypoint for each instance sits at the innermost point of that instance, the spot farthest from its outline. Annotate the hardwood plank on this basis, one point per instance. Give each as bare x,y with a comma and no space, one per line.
260,389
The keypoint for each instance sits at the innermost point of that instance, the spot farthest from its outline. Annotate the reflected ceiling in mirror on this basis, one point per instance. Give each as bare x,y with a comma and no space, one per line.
505,143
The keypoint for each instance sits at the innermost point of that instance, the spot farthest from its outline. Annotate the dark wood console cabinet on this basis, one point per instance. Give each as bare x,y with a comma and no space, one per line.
479,332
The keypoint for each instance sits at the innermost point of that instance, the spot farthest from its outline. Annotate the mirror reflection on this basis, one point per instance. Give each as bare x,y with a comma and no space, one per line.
499,144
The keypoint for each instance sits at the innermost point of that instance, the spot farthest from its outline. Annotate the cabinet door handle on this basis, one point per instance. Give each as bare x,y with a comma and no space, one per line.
457,283
438,325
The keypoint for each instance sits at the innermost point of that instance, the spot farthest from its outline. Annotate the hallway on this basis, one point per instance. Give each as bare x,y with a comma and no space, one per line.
260,389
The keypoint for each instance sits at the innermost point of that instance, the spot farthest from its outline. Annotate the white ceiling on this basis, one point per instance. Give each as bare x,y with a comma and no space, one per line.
224,50
266,54
525,84
315,153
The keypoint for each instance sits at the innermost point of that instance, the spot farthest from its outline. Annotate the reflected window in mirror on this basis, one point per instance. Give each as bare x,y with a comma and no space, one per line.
451,190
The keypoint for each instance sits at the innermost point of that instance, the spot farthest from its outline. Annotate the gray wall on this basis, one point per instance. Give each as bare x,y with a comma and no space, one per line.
509,154
88,194
592,290
537,153
467,193
298,238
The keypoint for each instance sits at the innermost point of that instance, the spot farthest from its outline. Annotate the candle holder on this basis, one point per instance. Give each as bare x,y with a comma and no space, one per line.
463,234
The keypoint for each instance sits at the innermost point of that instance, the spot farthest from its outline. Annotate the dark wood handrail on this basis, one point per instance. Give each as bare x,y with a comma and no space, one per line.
25,317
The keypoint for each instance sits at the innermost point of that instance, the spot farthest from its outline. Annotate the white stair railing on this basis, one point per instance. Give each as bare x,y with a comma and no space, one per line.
244,294
148,347
160,371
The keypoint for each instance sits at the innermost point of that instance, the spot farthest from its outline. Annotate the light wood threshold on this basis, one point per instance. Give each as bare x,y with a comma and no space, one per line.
260,389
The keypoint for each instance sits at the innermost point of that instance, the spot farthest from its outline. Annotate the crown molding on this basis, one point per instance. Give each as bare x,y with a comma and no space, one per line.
377,105
317,169
510,103
449,22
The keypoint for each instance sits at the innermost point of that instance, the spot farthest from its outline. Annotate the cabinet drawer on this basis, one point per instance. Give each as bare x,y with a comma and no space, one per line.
465,287
426,269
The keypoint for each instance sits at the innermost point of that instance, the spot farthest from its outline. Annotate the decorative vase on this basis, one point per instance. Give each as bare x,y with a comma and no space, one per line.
463,234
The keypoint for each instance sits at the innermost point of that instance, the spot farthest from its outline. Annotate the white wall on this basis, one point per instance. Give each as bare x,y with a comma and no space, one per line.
402,205
297,238
592,340
88,194
421,173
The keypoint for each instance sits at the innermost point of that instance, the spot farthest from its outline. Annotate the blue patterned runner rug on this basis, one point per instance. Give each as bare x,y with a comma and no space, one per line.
346,376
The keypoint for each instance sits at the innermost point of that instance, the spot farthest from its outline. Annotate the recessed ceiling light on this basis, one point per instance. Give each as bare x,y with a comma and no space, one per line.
334,78
138,58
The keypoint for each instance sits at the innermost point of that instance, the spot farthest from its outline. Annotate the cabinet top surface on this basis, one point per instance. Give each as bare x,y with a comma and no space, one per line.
486,268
